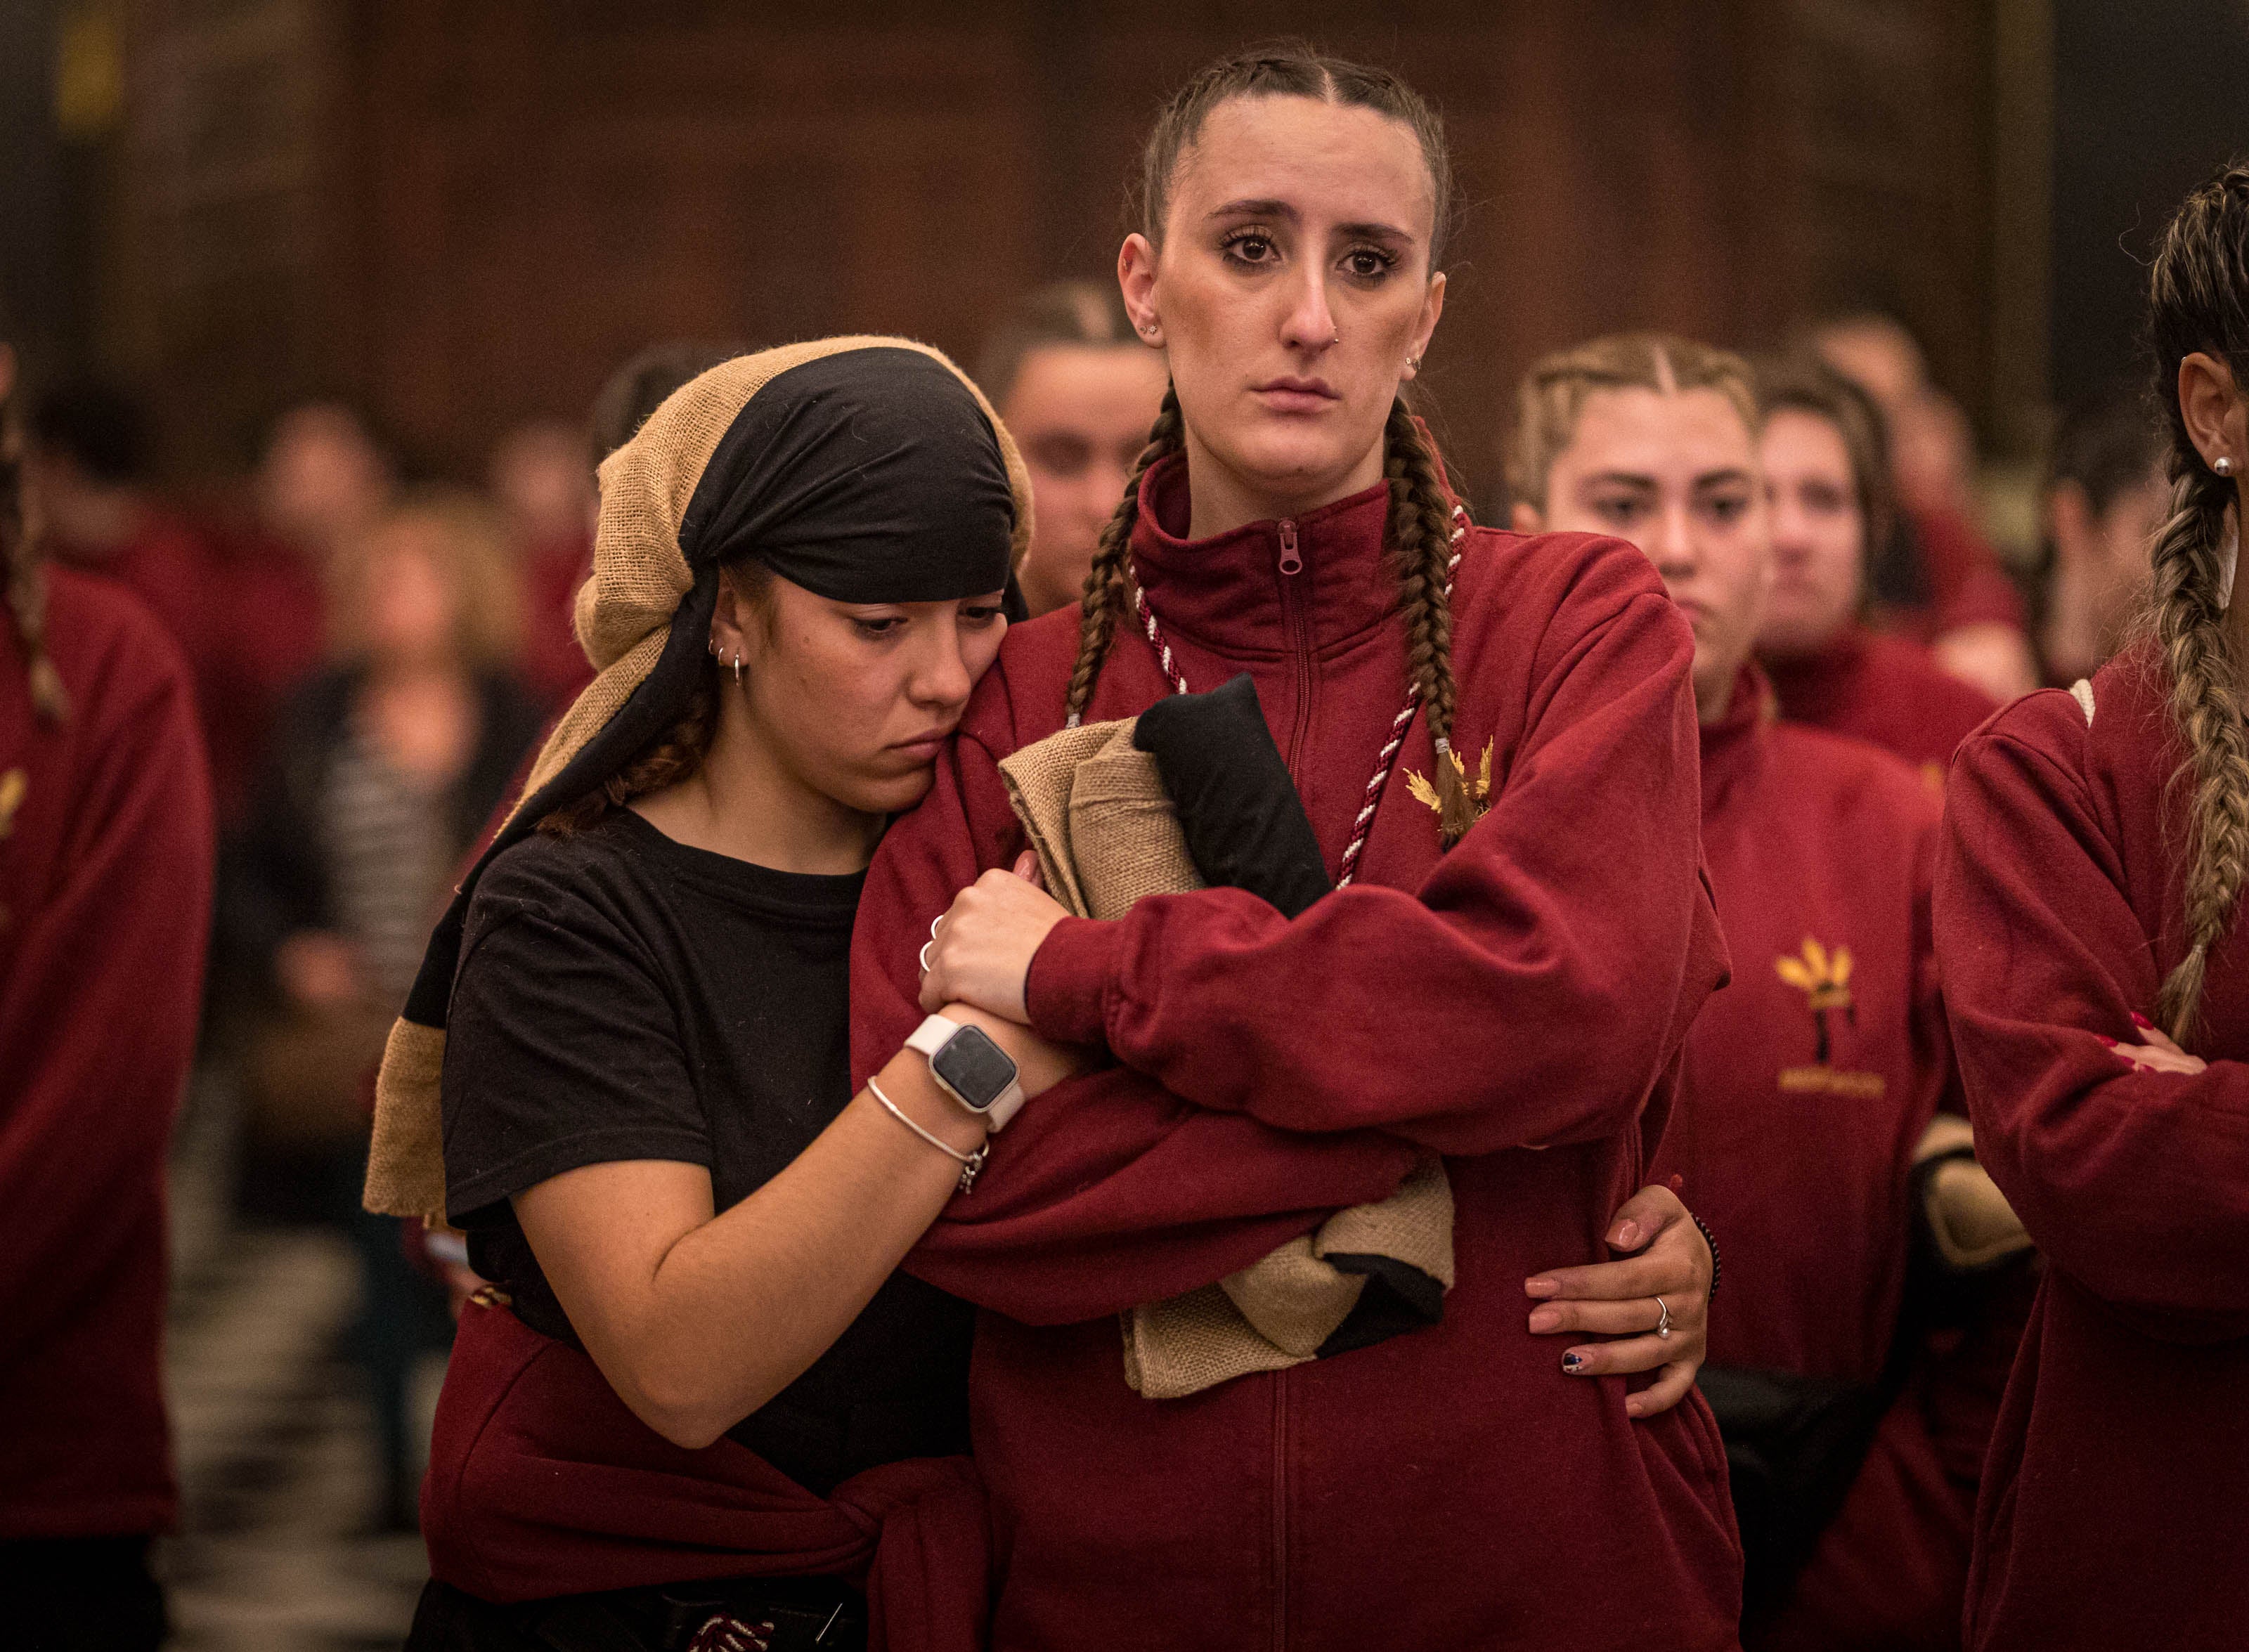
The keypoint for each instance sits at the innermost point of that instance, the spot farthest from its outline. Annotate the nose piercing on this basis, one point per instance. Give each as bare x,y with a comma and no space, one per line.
1336,337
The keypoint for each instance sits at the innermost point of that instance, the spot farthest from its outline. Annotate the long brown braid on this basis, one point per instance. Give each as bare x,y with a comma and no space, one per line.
1420,534
20,562
677,754
1419,531
2198,300
1108,586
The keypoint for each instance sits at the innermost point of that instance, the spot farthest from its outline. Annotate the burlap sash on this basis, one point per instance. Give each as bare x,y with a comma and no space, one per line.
1106,835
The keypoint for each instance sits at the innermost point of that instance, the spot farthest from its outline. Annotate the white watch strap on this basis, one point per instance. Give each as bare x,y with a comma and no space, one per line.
930,1037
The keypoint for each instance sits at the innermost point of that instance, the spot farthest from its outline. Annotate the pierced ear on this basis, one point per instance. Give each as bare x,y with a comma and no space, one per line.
1136,279
2213,408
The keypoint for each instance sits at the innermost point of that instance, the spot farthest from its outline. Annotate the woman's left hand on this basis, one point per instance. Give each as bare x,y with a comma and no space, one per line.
1618,1299
980,952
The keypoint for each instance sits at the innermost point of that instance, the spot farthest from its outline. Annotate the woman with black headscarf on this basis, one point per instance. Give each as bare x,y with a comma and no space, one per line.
698,1402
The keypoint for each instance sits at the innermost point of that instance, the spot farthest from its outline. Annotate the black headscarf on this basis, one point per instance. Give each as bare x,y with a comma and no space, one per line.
872,474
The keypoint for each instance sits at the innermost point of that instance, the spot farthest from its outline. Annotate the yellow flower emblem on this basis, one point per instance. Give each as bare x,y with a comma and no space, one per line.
13,788
1823,977
1478,790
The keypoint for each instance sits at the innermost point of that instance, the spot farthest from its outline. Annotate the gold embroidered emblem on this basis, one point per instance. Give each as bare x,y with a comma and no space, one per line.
13,785
1824,978
1478,790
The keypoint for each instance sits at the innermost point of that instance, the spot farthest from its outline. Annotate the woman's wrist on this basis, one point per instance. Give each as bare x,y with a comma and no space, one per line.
907,1081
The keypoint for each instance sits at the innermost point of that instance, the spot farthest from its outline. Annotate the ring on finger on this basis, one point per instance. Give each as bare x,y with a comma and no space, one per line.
1663,1323
925,946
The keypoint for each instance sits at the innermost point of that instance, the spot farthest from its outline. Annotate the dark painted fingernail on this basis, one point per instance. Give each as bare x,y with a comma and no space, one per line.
2106,1039
2139,1020
1572,1362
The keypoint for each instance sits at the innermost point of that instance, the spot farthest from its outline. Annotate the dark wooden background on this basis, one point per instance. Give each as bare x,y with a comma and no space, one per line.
466,211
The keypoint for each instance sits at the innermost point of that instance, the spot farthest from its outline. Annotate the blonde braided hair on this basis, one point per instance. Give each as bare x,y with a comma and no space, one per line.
2198,300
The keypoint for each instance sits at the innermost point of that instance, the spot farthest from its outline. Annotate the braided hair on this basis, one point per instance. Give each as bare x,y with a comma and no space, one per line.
677,753
2198,300
23,580
1420,526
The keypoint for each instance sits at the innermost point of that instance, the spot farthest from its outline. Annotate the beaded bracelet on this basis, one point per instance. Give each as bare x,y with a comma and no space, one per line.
1710,1239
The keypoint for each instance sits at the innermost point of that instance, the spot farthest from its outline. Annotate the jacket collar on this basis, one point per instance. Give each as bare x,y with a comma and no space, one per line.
1813,684
1229,593
1736,744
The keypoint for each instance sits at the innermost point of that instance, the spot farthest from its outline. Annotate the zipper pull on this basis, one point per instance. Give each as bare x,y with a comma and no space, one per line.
1290,562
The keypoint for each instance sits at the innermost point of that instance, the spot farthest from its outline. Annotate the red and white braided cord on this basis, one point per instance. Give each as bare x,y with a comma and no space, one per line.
1385,761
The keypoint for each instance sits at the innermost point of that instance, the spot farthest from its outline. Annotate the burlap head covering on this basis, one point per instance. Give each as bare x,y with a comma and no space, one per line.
831,476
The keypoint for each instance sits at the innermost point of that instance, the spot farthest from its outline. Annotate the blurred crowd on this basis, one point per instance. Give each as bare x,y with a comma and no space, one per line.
374,656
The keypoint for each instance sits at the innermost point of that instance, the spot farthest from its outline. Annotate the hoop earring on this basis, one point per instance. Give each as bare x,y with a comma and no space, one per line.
738,668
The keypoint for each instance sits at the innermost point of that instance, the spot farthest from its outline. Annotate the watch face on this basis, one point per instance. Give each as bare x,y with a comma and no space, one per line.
974,1068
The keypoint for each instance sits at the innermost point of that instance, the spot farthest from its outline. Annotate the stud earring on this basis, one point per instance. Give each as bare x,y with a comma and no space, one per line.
1414,364
2223,465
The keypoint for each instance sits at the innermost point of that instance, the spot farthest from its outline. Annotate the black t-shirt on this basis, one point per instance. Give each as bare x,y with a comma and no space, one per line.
622,995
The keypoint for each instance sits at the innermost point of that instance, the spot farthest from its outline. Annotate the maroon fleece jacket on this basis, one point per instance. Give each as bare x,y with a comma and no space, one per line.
1516,1004
1884,690
104,899
2112,1512
1808,1083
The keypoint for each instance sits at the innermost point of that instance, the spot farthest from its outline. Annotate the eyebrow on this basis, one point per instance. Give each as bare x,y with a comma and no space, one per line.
1252,208
1716,479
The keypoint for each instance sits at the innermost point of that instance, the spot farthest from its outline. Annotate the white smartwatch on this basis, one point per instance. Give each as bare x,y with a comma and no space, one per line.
970,1068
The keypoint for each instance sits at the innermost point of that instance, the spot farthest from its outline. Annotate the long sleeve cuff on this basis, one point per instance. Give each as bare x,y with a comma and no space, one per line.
1068,988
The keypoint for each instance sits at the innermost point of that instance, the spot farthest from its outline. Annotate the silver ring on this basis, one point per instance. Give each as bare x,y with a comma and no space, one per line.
1663,1325
925,946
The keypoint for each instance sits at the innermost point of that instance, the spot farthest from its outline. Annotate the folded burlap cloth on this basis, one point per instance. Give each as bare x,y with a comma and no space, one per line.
1969,1225
1106,834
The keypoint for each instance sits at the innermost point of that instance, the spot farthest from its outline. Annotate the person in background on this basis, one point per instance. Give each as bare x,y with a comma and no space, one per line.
106,847
385,766
1811,1080
1079,388
1936,575
2106,495
540,481
89,458
2096,972
1825,470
